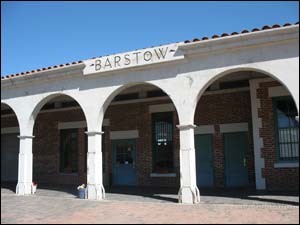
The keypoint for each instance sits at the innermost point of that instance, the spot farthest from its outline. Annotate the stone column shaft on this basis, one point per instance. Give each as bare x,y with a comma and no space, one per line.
95,189
24,186
188,192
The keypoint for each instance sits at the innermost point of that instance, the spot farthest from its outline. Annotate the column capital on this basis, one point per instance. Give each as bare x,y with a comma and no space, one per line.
93,133
26,137
186,126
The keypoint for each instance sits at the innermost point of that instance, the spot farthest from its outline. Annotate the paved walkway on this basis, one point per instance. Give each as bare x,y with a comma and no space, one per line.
166,195
43,209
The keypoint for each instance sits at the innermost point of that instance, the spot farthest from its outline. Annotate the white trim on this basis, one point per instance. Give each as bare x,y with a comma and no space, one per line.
93,133
162,174
259,161
71,125
186,126
233,127
286,165
10,130
205,129
278,91
26,137
162,108
124,134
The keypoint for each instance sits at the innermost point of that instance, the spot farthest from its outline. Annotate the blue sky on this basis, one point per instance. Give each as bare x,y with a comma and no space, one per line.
42,34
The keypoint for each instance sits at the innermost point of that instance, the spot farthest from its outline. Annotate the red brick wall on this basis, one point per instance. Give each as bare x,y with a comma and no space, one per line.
276,178
46,145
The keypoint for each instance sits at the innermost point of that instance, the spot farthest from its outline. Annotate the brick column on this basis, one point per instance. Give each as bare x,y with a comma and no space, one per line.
258,142
24,186
188,192
219,167
95,189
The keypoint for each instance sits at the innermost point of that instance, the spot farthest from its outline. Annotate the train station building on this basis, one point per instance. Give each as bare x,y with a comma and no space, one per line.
219,112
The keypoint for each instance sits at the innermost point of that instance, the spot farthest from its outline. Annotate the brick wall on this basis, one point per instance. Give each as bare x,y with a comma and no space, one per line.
276,178
46,145
222,109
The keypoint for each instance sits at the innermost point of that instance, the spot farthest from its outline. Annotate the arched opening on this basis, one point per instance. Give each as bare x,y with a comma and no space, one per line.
140,144
9,147
59,146
247,134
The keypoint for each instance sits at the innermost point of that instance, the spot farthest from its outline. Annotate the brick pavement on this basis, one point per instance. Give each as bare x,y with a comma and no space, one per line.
42,209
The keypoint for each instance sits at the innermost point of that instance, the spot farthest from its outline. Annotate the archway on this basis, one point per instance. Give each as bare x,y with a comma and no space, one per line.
60,145
140,143
248,129
9,147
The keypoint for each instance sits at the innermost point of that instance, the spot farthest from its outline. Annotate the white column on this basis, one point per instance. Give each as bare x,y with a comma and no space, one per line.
24,186
188,192
95,189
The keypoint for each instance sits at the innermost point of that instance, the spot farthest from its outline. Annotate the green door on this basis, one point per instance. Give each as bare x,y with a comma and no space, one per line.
236,147
204,160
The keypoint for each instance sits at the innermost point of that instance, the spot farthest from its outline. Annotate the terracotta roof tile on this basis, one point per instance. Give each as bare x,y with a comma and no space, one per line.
245,31
255,29
266,27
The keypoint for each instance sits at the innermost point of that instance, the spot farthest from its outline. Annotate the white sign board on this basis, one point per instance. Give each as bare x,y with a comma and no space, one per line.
137,58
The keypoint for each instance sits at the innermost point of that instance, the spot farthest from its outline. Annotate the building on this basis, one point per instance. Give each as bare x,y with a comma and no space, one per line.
216,112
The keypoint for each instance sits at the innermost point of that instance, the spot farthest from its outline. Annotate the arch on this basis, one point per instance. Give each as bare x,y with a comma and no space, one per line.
38,106
238,69
14,111
117,91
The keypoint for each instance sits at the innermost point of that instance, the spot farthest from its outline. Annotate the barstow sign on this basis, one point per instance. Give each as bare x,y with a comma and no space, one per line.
142,57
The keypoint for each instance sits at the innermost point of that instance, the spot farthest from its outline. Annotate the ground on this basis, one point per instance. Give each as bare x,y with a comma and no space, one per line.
55,206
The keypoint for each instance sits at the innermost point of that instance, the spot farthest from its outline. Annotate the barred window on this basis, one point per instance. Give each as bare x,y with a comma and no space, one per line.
287,129
162,142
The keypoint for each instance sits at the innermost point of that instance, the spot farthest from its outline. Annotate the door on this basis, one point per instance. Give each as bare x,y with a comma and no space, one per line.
204,160
9,157
124,160
236,147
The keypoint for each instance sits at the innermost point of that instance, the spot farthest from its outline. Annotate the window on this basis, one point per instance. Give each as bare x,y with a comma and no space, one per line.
162,142
287,129
69,151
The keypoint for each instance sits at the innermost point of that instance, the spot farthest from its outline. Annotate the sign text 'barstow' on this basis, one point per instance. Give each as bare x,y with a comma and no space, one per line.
132,59
135,58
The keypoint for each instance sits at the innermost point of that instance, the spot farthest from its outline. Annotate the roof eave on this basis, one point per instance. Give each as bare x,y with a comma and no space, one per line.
239,40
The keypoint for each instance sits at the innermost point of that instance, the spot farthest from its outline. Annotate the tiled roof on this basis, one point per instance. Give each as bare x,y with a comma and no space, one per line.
266,27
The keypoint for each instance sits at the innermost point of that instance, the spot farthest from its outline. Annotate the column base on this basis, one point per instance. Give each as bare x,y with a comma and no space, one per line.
95,192
189,195
24,188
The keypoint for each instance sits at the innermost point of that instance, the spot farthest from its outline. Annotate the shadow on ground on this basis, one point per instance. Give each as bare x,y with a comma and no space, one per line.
170,195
